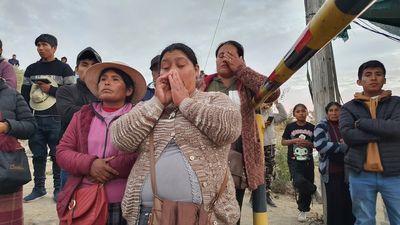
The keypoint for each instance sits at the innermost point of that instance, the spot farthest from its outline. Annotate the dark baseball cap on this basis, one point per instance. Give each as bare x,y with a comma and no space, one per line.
88,53
155,62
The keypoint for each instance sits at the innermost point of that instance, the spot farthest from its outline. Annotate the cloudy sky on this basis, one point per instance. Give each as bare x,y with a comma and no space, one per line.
134,31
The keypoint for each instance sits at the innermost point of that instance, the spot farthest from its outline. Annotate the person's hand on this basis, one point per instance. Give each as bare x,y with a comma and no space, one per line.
44,87
178,89
267,123
101,171
233,61
304,143
300,142
4,127
91,179
163,89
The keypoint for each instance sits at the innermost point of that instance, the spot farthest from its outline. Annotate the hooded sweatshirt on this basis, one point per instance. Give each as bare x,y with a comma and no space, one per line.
373,162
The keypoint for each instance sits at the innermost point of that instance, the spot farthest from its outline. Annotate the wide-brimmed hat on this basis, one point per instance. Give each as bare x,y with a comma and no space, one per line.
40,100
93,74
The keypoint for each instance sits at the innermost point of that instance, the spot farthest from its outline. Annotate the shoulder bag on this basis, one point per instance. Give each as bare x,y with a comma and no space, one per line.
14,166
88,206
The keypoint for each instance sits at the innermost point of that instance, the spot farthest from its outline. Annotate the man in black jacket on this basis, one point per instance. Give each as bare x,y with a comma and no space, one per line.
370,126
71,98
39,88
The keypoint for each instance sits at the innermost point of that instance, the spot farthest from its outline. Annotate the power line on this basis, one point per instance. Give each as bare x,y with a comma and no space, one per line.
368,27
215,33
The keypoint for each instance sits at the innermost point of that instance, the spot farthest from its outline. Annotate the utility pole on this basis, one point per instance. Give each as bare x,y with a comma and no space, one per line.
323,69
324,81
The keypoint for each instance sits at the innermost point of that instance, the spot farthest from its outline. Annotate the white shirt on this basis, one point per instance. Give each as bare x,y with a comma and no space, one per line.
270,133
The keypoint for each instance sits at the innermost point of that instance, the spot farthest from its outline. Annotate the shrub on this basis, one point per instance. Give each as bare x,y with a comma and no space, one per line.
281,184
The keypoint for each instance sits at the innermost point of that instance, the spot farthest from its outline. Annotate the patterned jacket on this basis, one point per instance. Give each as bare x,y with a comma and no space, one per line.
249,82
204,127
326,148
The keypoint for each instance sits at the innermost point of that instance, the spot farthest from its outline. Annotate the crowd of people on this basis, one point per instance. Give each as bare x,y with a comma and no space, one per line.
175,139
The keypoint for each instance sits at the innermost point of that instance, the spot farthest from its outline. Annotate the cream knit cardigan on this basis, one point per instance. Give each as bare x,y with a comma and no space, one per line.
204,127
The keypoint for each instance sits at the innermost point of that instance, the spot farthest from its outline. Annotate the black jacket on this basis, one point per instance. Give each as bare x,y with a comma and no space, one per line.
385,130
70,99
15,110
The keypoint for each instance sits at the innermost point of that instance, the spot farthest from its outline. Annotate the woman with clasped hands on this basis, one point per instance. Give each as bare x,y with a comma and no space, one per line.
192,132
85,150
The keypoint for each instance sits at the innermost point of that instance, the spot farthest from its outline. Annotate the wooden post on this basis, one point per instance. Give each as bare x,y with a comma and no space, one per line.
323,75
323,70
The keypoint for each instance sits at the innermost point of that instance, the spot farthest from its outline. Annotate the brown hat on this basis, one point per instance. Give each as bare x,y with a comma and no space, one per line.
93,74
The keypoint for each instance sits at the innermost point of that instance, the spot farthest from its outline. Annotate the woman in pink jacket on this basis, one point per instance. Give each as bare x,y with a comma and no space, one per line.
85,150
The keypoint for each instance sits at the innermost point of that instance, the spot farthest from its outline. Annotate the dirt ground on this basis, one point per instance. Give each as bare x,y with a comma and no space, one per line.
43,211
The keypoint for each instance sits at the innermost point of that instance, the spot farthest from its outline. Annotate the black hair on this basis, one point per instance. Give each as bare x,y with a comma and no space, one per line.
183,48
237,45
330,104
125,77
1,44
370,64
48,38
298,105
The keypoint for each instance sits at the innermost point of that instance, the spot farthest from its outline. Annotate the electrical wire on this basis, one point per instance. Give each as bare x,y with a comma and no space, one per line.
215,33
368,27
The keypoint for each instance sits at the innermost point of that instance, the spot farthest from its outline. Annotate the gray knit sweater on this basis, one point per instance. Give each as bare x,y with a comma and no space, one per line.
204,127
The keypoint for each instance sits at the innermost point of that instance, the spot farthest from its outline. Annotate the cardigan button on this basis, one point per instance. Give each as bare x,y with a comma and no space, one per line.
172,134
215,223
191,158
205,184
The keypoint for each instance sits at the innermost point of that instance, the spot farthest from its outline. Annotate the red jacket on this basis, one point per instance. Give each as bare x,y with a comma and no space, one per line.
72,156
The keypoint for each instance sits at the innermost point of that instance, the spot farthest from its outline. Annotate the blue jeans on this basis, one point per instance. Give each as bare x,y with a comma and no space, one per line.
144,215
363,190
47,135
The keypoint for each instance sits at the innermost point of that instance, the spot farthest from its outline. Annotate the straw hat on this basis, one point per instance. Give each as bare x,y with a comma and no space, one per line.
93,74
38,99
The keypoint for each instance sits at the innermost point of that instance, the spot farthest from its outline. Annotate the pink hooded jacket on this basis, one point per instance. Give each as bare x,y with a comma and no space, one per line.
73,156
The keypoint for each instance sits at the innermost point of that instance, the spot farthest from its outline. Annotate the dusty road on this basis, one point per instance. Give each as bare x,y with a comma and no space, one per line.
43,211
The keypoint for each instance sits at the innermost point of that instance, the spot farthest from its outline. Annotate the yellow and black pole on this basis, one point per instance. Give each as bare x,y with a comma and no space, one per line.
259,201
331,19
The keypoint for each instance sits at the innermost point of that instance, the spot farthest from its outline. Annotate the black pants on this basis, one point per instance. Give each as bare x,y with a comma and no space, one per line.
239,199
303,181
338,201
